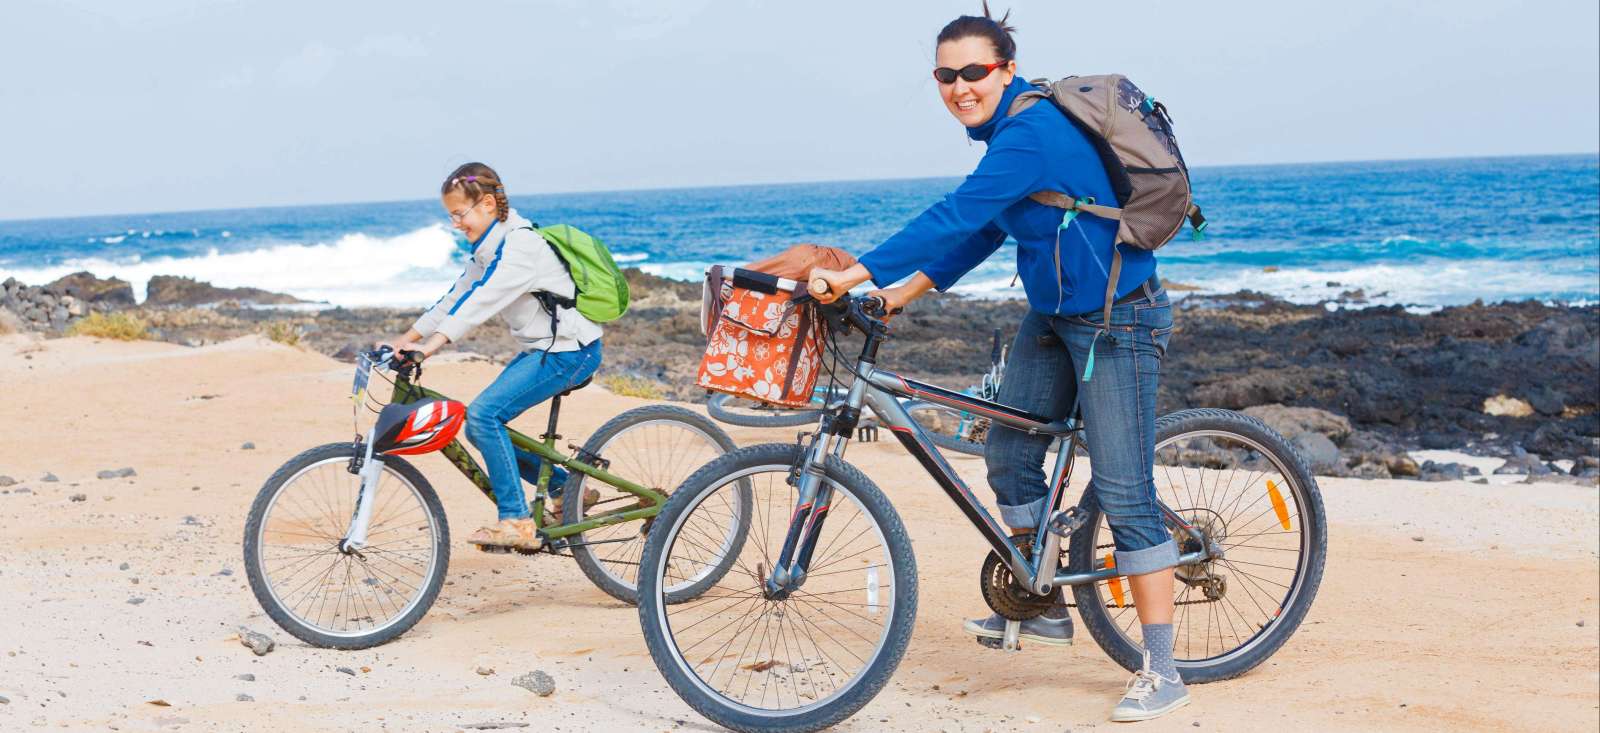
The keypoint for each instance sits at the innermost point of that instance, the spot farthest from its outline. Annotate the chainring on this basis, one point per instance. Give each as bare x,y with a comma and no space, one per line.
1004,594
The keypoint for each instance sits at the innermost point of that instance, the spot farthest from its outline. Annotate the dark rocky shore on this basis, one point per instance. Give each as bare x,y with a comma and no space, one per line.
1353,388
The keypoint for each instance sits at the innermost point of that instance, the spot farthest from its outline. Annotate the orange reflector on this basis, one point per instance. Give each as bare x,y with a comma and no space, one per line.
1277,504
1115,583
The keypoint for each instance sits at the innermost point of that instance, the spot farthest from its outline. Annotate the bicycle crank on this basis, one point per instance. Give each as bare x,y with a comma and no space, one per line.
1003,591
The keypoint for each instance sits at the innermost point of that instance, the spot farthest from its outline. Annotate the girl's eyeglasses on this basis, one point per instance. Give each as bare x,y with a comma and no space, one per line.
458,217
970,72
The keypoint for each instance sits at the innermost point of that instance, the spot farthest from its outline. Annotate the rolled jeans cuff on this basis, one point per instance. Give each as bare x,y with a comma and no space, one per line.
1022,516
1147,560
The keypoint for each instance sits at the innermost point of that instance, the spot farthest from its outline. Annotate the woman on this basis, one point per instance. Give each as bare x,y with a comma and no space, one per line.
1064,266
511,268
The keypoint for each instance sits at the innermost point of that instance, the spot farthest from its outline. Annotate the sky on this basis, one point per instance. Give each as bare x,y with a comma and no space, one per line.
175,105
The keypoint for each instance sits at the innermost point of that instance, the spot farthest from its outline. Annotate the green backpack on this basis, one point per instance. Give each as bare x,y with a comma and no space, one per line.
602,290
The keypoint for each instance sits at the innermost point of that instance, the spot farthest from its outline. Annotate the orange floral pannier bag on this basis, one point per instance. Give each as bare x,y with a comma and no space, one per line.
760,343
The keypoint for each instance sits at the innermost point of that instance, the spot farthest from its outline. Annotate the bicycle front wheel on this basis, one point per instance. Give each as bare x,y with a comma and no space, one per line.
803,662
322,595
1241,484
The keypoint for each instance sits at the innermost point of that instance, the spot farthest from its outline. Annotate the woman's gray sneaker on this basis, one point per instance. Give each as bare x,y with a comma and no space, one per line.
1044,629
1149,696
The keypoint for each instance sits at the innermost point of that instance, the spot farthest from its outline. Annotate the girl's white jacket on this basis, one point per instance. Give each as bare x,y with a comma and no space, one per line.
510,264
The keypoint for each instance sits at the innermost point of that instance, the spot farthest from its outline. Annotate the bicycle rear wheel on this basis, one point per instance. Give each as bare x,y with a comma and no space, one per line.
1246,489
800,663
657,446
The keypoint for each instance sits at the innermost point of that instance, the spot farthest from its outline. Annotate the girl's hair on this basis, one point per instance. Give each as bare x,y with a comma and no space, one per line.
996,31
476,180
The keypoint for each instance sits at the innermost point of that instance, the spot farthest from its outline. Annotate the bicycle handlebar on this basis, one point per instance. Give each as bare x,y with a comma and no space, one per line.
403,361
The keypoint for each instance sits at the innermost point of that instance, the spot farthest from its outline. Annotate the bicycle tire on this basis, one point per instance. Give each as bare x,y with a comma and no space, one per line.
1082,554
719,406
285,618
592,566
869,683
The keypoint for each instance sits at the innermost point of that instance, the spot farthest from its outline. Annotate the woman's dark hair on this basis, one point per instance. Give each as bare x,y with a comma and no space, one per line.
476,180
996,31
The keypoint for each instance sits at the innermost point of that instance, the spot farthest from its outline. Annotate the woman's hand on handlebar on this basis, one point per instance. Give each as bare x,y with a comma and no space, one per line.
829,285
895,299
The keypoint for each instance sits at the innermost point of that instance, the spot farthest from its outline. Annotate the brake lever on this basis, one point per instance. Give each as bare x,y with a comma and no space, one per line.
407,363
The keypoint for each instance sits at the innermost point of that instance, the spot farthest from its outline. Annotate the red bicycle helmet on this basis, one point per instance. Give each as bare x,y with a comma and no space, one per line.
418,427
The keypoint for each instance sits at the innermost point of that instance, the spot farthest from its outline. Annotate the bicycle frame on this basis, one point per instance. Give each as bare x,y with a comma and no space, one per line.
880,390
651,501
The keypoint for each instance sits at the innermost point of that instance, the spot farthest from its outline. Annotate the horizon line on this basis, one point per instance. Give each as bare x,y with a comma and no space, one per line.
748,184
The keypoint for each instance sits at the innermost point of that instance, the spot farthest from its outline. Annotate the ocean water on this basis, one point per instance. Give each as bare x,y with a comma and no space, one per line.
1417,233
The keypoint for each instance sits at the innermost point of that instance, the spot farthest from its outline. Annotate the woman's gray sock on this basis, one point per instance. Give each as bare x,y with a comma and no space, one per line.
1158,640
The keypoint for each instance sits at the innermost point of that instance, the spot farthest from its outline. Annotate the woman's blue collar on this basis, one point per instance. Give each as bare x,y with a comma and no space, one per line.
983,132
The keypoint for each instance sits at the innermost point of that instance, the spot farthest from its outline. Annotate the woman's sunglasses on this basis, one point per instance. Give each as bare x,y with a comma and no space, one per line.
970,72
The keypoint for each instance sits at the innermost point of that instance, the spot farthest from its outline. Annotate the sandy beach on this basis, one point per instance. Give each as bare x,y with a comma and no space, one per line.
1446,605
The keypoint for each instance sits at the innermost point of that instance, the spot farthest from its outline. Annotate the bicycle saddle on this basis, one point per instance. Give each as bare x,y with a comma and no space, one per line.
577,386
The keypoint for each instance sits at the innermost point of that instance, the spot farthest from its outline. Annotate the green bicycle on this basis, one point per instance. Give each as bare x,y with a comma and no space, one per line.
346,546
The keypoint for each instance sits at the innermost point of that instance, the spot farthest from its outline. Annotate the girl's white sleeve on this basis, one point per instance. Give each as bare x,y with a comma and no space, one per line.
429,322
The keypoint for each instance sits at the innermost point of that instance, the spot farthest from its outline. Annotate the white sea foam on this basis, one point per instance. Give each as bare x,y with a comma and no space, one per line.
1425,285
692,271
1420,287
626,257
357,269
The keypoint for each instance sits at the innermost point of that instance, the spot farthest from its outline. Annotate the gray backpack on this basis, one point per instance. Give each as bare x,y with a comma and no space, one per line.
1133,135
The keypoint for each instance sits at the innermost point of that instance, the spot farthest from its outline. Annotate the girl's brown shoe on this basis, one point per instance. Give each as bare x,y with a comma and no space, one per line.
511,534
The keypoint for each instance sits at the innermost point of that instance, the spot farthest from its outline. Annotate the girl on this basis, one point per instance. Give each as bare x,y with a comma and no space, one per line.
511,271
1040,149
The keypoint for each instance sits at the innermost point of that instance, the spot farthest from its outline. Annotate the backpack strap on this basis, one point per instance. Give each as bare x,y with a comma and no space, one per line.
1062,201
550,300
1111,286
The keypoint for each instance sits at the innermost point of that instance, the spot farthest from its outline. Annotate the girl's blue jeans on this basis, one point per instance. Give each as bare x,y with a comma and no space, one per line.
531,378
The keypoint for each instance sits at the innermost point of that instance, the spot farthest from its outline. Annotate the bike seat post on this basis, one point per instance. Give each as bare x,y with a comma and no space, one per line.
550,436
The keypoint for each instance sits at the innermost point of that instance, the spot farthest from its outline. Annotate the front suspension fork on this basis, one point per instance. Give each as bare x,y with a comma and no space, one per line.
811,510
355,537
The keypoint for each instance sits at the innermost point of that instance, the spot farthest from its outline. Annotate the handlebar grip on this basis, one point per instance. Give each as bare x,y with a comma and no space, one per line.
760,282
819,286
407,358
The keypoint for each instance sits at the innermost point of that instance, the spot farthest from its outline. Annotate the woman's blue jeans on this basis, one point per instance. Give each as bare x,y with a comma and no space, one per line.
531,378
1045,375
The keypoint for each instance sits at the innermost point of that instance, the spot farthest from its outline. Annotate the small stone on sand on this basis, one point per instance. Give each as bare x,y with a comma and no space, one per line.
258,642
536,682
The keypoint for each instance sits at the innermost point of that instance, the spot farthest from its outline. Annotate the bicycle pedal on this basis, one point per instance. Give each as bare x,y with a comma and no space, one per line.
996,644
493,549
1067,521
988,643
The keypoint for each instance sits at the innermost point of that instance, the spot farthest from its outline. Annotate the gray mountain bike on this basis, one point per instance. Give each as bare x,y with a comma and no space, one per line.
818,608
950,429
